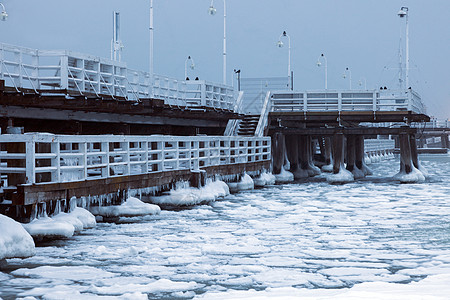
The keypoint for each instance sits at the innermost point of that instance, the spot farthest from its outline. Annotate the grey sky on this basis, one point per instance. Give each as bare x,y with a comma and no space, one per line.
360,34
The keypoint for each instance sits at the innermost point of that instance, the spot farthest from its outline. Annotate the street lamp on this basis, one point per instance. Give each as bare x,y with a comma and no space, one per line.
212,11
280,45
326,68
361,82
238,72
404,13
3,15
192,66
347,70
150,86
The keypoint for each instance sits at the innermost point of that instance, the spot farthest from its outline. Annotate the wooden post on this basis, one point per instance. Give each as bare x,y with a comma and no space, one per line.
278,150
327,150
444,141
359,151
351,152
292,151
414,155
338,151
303,146
405,153
198,178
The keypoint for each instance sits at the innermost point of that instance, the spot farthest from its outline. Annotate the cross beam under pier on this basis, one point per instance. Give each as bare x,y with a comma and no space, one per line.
345,130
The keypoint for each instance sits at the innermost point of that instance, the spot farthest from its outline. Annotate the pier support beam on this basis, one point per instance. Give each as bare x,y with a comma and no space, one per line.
405,153
351,152
278,150
338,152
414,155
444,141
292,152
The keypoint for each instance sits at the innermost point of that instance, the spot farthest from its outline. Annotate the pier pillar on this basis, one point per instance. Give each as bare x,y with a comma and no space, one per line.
278,150
292,151
405,153
198,178
359,151
444,141
338,151
327,150
351,152
414,155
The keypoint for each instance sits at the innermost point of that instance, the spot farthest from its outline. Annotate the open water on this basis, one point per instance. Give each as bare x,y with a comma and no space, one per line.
303,236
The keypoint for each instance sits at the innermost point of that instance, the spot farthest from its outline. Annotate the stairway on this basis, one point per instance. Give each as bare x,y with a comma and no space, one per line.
247,126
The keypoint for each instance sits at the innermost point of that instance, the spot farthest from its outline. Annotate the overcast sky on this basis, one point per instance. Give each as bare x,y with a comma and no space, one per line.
362,35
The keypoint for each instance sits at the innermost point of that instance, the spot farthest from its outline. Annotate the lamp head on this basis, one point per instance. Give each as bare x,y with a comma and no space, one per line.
280,44
403,12
319,63
344,76
3,15
192,66
212,10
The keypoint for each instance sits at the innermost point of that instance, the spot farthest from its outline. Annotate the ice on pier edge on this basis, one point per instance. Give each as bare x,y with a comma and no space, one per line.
132,207
62,225
14,240
186,196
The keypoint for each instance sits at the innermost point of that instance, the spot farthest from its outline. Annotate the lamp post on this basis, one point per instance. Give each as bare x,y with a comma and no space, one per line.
326,68
280,45
347,70
361,82
192,66
3,15
212,11
404,13
238,72
151,51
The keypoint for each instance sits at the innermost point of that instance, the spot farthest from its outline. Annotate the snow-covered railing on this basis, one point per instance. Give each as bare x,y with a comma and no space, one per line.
264,116
433,124
378,145
329,100
87,75
64,158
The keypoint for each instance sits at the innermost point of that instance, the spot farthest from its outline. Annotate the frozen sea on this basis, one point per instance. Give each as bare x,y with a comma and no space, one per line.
306,239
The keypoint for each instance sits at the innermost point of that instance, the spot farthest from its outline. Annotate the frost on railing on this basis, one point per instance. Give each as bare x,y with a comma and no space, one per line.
60,158
376,100
91,76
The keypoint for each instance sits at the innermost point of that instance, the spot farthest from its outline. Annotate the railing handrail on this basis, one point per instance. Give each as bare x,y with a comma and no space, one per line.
263,118
124,81
347,100
75,158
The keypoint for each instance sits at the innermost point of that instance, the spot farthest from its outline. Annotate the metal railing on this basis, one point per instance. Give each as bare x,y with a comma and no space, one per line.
63,158
371,145
376,100
264,116
87,75
433,124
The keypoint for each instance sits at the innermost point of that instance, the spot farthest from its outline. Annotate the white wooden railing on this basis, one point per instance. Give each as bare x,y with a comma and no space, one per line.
371,145
73,158
350,100
87,75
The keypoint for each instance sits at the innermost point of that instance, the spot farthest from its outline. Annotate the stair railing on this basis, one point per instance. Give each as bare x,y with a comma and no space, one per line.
233,124
263,117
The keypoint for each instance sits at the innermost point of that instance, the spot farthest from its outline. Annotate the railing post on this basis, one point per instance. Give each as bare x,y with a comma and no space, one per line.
64,72
339,101
305,102
409,96
30,162
374,101
203,94
56,162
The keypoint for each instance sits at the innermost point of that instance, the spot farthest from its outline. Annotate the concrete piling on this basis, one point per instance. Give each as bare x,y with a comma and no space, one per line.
278,151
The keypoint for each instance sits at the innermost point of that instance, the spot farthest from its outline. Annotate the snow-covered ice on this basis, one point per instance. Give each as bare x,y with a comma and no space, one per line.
130,208
369,239
264,179
186,196
246,183
14,240
284,176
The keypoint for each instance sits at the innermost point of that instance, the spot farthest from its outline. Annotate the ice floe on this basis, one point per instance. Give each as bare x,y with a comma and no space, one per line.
246,183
